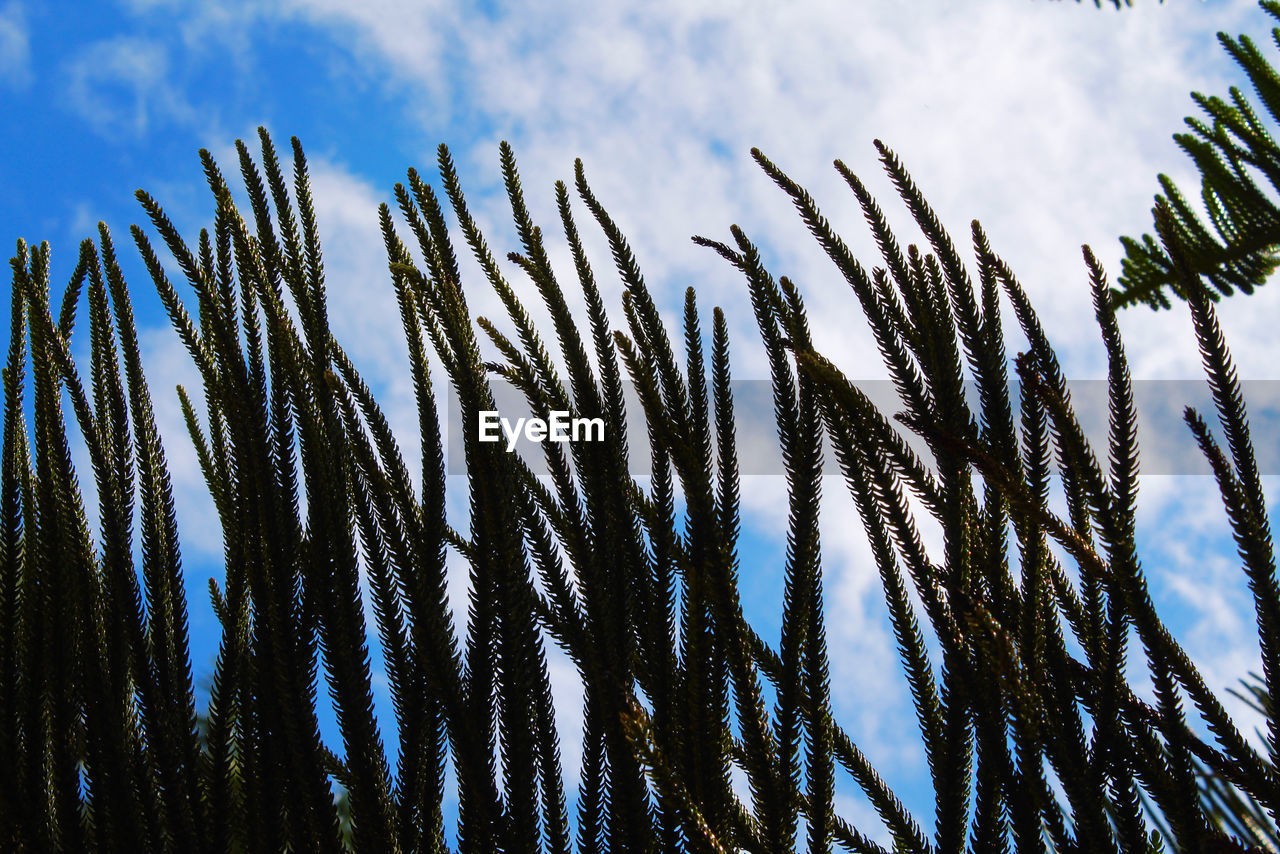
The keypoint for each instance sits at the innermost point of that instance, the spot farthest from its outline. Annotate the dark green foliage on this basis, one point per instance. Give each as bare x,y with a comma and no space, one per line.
1236,813
1232,150
1016,662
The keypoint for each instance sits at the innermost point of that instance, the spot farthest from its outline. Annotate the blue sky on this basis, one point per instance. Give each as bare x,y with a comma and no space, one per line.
1047,121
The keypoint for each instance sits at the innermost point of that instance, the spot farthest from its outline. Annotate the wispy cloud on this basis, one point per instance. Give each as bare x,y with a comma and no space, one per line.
15,46
413,35
122,87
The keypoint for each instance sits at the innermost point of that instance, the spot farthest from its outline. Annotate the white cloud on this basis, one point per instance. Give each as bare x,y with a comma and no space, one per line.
15,46
122,87
412,35
1034,117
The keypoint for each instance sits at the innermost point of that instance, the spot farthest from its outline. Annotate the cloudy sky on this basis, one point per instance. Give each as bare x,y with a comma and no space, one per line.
1047,121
